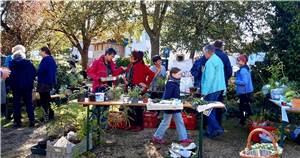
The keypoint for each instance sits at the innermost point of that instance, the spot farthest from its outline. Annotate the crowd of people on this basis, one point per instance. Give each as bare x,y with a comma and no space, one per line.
19,74
211,72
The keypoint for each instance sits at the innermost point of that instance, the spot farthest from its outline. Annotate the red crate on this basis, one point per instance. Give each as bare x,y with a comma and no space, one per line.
190,121
150,119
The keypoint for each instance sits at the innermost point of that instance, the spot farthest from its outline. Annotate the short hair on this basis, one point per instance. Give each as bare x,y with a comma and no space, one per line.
209,47
46,50
137,55
174,70
110,51
218,44
156,58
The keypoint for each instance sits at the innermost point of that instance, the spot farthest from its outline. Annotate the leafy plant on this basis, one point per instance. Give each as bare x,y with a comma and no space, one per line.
161,83
115,93
135,92
122,62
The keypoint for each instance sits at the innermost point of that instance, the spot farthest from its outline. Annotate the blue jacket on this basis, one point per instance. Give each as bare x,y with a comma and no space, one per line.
47,71
196,71
22,75
172,91
227,64
7,61
243,81
213,79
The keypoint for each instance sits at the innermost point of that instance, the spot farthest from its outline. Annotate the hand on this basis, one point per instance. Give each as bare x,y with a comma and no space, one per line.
143,85
5,73
232,81
124,68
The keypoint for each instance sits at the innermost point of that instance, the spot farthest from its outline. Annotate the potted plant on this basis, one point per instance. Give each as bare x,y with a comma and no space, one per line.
134,94
81,95
115,93
161,83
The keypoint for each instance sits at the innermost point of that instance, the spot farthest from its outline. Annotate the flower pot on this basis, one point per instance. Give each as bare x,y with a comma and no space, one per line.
81,98
92,97
296,103
134,100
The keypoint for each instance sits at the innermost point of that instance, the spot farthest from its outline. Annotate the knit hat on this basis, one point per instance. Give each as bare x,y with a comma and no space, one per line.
243,58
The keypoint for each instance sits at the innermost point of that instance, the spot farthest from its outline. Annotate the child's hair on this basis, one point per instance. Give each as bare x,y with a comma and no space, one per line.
174,70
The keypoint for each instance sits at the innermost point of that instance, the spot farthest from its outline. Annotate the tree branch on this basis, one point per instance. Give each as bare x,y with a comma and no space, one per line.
145,19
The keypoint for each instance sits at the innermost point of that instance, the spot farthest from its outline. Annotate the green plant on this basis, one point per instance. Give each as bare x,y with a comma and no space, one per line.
114,93
161,83
135,92
122,62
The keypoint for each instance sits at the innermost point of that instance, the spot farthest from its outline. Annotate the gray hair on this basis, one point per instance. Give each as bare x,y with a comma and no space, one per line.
18,47
209,48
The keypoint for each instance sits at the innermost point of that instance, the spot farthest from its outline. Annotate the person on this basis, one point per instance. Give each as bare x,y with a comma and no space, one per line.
5,72
244,88
104,67
21,82
227,73
212,85
138,74
159,70
46,80
196,71
172,91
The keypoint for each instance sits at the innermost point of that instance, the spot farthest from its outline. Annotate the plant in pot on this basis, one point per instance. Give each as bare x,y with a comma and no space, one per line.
161,83
114,93
134,94
82,94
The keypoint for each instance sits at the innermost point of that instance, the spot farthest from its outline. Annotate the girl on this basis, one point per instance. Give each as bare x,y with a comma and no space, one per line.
244,88
172,91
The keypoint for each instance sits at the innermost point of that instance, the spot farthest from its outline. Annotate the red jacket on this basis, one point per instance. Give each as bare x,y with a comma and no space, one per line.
141,74
98,69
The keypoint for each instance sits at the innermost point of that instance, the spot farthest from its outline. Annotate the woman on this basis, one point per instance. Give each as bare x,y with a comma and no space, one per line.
138,74
244,88
46,80
21,82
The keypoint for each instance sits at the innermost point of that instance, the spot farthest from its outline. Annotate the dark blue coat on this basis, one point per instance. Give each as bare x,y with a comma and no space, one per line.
47,71
196,69
172,91
227,66
197,72
22,75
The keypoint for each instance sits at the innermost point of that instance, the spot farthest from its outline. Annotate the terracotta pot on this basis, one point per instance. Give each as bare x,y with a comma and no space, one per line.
296,103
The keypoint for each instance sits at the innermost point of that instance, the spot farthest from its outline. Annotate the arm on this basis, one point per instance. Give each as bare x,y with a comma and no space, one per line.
150,75
244,75
92,71
115,71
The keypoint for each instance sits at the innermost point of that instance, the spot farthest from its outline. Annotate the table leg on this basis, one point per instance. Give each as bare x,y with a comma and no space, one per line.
87,127
283,124
200,137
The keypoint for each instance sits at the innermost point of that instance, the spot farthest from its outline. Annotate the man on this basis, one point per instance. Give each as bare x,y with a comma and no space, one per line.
104,67
21,82
227,73
212,85
196,71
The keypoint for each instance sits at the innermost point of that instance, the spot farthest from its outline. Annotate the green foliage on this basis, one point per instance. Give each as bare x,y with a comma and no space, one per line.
114,93
122,62
285,28
135,92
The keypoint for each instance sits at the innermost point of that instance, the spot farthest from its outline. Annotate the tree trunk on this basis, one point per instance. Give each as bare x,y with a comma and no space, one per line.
154,46
84,59
192,55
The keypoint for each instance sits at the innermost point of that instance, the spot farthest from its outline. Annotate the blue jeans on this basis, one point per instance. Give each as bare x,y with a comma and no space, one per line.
164,125
213,127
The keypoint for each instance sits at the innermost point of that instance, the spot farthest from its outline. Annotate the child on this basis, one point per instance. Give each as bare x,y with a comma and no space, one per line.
172,91
244,88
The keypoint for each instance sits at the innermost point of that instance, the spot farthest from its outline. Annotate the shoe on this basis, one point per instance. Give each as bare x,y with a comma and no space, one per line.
31,124
158,140
17,125
137,129
185,142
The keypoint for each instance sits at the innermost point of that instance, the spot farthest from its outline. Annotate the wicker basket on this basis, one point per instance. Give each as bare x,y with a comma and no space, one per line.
259,153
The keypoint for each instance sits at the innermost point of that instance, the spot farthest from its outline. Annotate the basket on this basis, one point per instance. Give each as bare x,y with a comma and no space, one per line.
259,153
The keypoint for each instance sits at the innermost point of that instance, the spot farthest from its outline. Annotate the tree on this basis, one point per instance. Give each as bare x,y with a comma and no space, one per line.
20,23
285,41
157,18
190,25
85,20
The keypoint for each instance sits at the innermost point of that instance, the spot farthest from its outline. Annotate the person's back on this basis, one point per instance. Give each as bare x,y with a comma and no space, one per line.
244,81
226,62
196,70
47,71
22,74
213,79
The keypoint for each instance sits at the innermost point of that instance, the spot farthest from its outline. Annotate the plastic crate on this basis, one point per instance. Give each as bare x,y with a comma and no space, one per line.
190,121
150,119
67,152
